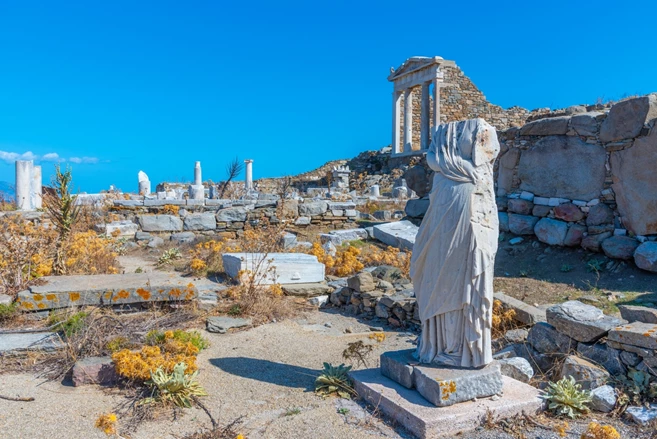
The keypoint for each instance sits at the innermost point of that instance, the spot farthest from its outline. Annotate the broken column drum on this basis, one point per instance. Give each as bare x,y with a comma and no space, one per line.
144,183
454,251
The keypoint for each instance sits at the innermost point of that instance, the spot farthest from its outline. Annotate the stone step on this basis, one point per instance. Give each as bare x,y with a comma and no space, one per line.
106,289
31,341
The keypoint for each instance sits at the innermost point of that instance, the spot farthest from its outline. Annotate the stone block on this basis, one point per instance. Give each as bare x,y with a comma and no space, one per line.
643,314
550,231
313,208
382,215
306,290
425,421
94,370
362,282
183,237
222,324
398,366
200,222
541,211
582,322
587,374
606,356
282,268
642,415
348,235
128,203
626,118
594,242
545,339
603,399
620,247
563,166
568,212
399,234
645,256
302,221
517,368
600,214
525,313
160,223
549,126
520,206
416,208
118,228
32,341
448,386
522,224
155,242
586,124
195,202
574,235
642,335
232,214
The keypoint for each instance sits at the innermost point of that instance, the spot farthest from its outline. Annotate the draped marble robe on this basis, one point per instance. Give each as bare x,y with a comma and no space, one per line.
454,251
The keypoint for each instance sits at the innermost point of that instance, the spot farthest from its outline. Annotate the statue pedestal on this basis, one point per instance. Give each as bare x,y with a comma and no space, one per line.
442,386
408,393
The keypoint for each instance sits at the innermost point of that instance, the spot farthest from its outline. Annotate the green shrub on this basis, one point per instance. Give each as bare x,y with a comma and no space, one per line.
157,338
335,380
566,398
68,325
8,311
176,387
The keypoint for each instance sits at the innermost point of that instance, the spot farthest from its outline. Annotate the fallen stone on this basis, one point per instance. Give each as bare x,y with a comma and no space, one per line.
606,356
581,322
419,181
362,282
33,341
600,214
603,399
642,415
633,313
288,240
563,166
183,237
574,235
387,273
516,335
568,212
620,247
306,290
222,324
399,234
522,224
416,208
545,339
550,231
349,235
643,335
382,215
520,206
524,312
585,373
94,370
106,289
541,363
645,256
586,124
517,368
548,126
593,243
282,268
318,301
446,386
626,118
160,223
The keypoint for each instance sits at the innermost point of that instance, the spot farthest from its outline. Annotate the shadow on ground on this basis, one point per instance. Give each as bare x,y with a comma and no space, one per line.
268,371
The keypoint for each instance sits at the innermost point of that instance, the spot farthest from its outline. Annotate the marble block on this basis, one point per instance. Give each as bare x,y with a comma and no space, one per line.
286,268
399,234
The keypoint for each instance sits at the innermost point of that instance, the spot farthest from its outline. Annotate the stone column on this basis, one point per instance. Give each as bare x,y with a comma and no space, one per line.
408,120
248,183
436,103
424,123
198,178
374,191
36,190
144,183
197,190
396,123
24,184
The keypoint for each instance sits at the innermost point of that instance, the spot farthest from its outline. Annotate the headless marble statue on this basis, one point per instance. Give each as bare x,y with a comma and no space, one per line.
454,251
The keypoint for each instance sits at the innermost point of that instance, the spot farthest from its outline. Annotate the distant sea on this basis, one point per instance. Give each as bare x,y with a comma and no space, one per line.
7,190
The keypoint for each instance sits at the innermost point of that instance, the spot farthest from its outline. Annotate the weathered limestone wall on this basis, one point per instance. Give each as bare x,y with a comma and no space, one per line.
584,178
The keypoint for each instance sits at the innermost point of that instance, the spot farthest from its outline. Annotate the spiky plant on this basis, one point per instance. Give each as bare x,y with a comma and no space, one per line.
566,398
63,212
177,387
334,380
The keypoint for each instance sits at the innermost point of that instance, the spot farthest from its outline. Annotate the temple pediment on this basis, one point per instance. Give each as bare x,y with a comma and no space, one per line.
416,64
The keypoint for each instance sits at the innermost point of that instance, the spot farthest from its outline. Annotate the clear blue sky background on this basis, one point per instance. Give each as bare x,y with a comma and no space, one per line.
114,87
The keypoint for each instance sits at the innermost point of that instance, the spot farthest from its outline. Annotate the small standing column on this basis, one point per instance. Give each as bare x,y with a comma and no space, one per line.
197,190
248,183
144,183
24,184
396,123
424,123
36,195
436,103
408,120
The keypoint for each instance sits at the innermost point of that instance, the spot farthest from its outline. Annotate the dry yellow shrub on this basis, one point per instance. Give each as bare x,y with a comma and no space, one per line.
597,431
206,256
139,365
107,423
89,253
170,209
390,256
349,259
378,336
503,320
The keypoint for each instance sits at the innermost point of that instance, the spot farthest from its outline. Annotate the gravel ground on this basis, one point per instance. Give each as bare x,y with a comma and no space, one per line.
265,374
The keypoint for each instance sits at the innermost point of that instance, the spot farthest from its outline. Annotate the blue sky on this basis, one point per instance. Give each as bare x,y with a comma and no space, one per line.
115,87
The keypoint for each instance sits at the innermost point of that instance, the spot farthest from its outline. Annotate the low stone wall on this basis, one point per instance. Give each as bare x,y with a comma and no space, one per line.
585,178
222,216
